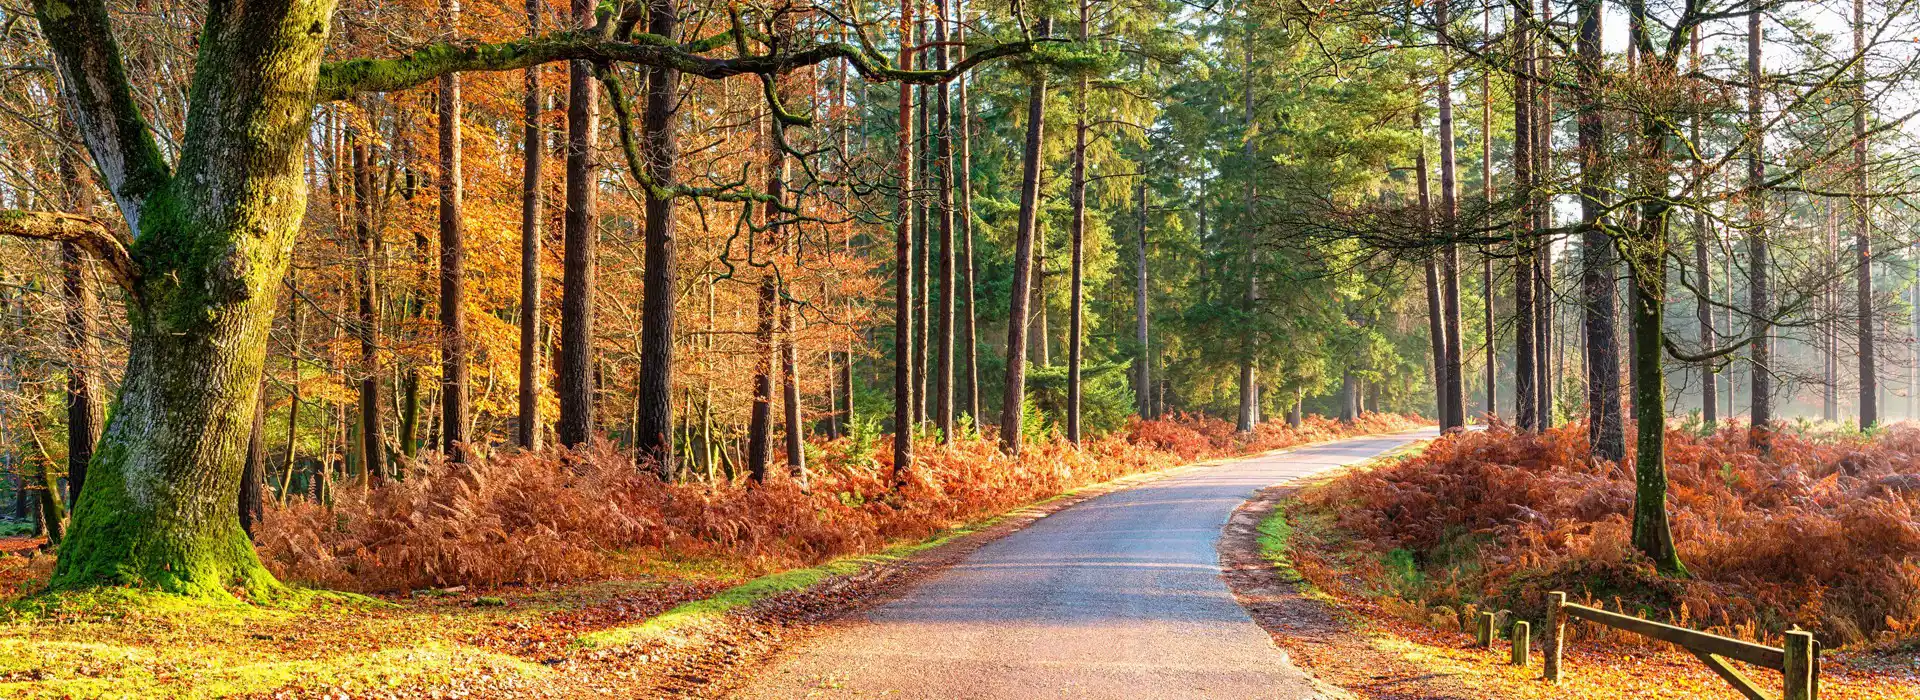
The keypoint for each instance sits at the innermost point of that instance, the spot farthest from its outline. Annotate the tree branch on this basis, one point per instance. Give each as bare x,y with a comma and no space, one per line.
347,78
85,231
94,81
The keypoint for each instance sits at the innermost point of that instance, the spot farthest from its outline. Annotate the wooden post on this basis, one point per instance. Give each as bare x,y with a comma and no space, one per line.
1522,635
1484,635
1799,667
1556,635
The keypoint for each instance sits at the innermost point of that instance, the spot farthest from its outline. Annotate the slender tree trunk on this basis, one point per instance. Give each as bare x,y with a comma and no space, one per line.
294,303
81,335
1862,231
367,323
453,263
903,270
1450,256
1142,312
1759,293
532,211
1486,252
1605,432
1078,197
790,395
963,184
1436,322
923,250
1544,308
1827,328
253,474
1703,271
1528,371
1015,394
573,365
1249,414
659,129
942,127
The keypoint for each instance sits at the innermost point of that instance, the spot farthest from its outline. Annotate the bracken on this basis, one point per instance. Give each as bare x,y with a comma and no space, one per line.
557,515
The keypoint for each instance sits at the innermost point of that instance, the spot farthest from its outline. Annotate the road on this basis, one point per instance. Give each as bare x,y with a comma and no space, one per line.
1117,597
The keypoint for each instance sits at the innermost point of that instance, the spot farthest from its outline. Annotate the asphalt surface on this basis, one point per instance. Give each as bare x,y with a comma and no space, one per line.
1117,597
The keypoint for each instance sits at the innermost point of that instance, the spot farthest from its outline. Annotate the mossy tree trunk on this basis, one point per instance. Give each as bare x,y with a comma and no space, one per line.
203,272
1646,248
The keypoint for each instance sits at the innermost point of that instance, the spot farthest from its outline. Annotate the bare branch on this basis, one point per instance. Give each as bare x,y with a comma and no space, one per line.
85,231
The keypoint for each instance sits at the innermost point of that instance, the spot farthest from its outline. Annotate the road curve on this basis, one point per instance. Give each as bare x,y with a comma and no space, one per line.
1118,597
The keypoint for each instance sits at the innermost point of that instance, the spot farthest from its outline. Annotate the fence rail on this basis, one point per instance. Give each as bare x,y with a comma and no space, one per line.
1798,662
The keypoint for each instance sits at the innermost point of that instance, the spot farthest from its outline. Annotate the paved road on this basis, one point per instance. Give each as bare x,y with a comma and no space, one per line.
1118,597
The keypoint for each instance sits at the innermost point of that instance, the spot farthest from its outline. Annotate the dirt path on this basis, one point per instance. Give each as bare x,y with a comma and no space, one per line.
1121,596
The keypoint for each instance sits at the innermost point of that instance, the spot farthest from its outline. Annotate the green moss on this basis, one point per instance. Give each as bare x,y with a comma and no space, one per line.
689,617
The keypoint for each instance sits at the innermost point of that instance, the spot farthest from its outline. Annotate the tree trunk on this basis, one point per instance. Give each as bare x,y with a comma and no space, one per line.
1077,194
942,128
453,271
253,475
659,128
157,510
1862,232
1141,312
1759,294
1436,307
81,335
1542,211
573,365
1605,432
1528,371
1349,396
367,323
1450,256
532,211
1486,252
1703,272
1647,258
903,269
1249,413
963,186
1015,391
293,364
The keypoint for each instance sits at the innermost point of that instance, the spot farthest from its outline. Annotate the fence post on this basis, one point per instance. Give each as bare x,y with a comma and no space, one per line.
1556,635
1484,635
1799,666
1522,635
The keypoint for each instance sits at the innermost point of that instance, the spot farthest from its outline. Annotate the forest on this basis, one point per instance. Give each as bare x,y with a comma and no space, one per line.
613,349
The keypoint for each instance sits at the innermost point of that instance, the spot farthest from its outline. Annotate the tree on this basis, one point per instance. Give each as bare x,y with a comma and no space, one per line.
1605,431
573,364
1013,400
532,211
372,448
1759,295
653,419
213,235
1454,416
1077,195
1862,229
453,266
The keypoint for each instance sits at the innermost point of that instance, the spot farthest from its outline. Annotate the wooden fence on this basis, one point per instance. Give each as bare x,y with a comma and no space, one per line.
1798,662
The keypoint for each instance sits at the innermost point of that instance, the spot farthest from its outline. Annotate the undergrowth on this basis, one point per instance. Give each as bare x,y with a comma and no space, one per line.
556,516
1824,533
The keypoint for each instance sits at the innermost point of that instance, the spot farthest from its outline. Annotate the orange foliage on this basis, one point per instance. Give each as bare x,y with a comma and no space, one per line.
556,516
1825,533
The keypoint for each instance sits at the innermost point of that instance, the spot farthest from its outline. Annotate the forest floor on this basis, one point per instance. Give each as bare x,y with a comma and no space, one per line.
659,626
1369,645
